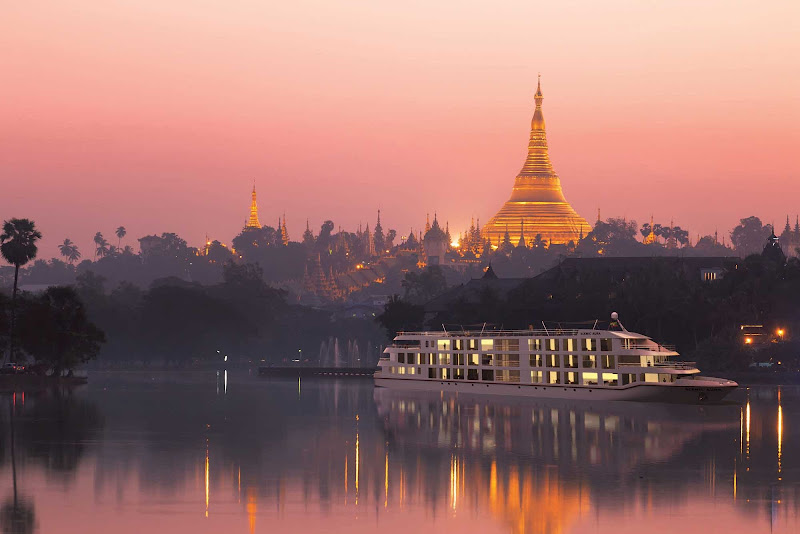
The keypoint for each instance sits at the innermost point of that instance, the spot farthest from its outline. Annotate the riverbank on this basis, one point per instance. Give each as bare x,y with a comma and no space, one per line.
28,382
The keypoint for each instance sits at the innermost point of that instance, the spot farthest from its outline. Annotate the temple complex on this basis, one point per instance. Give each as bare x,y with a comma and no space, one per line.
537,205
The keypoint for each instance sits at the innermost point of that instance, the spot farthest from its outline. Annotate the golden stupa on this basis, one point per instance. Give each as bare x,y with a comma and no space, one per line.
537,204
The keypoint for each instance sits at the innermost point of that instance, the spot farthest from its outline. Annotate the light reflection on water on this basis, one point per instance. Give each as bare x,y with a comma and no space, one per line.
229,452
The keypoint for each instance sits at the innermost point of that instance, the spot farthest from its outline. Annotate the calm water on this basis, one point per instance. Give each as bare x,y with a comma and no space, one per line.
133,453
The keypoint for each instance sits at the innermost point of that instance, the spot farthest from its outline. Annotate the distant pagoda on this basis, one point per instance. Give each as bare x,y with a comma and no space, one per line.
252,222
537,204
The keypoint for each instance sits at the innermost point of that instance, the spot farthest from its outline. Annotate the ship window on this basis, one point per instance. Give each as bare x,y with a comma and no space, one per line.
487,374
458,344
431,360
608,361
444,359
487,359
458,374
589,379
507,360
458,359
571,361
571,344
610,379
628,378
472,374
551,343
589,361
432,373
553,360
507,344
444,373
401,370
536,360
487,344
443,344
553,377
419,359
536,377
473,344
651,377
605,345
473,359
571,378
401,357
535,344
590,344
507,376
391,370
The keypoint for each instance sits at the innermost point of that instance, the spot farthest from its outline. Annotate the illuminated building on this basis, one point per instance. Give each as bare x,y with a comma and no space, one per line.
537,198
252,222
435,244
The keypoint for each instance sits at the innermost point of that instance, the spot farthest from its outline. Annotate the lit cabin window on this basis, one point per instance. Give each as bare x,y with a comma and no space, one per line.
534,344
610,379
487,344
589,379
605,344
443,344
590,344
536,377
571,344
551,343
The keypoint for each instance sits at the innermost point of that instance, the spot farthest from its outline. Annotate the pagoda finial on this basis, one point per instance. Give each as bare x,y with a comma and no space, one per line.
253,222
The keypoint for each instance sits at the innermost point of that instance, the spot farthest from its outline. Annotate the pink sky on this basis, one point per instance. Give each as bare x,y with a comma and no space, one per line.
159,115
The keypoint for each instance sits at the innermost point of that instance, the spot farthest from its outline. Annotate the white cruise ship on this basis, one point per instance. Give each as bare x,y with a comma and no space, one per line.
591,364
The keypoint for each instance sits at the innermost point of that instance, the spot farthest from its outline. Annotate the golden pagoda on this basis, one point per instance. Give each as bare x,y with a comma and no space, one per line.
252,222
537,199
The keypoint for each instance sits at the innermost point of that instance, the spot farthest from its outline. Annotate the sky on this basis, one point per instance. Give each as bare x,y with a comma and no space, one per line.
160,116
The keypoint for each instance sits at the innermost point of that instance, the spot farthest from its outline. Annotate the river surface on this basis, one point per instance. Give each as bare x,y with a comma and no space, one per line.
200,452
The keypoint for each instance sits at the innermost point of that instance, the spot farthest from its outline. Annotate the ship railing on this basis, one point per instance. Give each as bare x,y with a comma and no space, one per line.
664,365
656,347
540,332
404,346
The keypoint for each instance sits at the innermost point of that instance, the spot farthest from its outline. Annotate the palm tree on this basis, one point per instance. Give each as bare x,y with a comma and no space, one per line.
18,247
69,250
121,232
98,239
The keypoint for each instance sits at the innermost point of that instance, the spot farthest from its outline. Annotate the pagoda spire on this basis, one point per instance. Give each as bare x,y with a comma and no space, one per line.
537,193
252,222
284,231
521,242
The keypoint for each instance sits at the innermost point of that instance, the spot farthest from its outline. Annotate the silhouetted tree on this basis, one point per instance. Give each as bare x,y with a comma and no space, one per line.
54,329
120,232
69,250
18,247
749,236
400,315
422,287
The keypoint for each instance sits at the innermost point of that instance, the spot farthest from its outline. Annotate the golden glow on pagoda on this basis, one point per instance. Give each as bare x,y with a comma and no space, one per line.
252,222
537,198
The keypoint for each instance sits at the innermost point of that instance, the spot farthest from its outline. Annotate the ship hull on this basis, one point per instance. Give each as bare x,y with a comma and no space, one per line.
700,393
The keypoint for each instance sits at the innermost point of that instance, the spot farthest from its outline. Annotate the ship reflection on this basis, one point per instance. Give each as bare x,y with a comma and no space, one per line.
539,466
